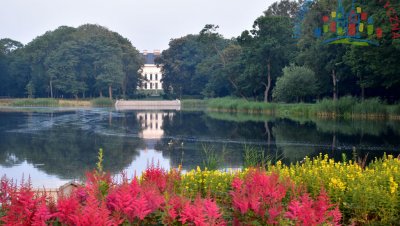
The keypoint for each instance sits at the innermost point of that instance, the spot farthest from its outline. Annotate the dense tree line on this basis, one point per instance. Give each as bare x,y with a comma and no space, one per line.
88,61
208,65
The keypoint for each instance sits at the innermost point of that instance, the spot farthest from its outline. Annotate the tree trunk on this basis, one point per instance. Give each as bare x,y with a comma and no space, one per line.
361,86
268,85
101,94
362,93
268,132
124,86
110,92
334,85
333,147
51,88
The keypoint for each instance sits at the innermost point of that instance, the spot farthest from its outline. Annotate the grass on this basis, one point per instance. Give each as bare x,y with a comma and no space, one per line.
351,107
29,102
50,102
345,107
255,157
193,104
102,102
212,160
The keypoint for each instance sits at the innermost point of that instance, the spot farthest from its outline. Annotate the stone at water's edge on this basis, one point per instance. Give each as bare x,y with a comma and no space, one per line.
148,105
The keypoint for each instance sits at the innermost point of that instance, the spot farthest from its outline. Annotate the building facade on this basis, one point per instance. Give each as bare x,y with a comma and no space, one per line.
151,73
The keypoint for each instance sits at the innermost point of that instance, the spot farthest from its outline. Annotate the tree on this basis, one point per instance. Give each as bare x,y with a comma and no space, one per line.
325,60
7,46
297,84
70,62
223,79
8,49
284,8
62,68
267,48
179,63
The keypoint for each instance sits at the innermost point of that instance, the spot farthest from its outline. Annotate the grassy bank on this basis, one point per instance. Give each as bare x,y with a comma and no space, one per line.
50,102
345,107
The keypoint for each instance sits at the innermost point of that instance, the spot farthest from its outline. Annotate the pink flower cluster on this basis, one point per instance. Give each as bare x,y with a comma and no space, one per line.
157,199
267,198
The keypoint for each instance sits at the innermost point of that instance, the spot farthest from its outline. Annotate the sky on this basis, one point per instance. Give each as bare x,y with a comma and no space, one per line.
148,24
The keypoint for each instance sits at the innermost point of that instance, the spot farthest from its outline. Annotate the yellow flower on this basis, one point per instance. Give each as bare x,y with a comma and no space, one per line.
393,185
337,183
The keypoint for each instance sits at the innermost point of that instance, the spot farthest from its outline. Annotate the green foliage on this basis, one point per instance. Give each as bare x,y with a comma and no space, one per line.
394,109
254,157
193,104
99,164
267,49
296,84
41,102
73,62
212,159
102,102
240,105
372,106
91,61
349,106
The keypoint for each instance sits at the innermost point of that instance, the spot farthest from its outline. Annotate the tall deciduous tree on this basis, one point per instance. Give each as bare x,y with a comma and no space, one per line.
70,62
268,48
8,50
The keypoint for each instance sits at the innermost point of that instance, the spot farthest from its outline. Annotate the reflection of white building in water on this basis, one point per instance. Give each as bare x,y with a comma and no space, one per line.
152,74
151,124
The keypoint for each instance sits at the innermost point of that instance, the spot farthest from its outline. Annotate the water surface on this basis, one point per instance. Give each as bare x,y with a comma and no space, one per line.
56,145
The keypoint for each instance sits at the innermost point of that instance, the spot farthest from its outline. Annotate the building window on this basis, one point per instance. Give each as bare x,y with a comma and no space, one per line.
156,76
145,86
156,85
151,77
151,85
145,76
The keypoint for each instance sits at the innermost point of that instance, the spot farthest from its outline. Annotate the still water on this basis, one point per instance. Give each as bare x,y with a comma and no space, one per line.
53,146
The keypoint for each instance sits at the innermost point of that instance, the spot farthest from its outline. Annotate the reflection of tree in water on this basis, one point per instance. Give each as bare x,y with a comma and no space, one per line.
195,129
69,148
295,140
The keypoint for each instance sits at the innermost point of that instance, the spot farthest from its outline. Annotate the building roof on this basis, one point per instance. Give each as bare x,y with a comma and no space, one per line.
149,57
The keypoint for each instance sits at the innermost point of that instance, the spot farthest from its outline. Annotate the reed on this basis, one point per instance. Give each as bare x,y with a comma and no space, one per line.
102,102
30,102
193,103
345,107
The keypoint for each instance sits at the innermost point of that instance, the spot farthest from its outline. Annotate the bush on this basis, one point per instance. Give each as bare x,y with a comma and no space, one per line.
296,84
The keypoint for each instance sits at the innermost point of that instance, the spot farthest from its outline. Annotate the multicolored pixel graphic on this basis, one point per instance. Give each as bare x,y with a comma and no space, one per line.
354,27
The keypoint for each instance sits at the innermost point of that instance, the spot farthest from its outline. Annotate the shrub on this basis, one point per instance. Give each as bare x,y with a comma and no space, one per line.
296,84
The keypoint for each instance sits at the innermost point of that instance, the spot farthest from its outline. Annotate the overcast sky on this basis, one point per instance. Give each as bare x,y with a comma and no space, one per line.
148,24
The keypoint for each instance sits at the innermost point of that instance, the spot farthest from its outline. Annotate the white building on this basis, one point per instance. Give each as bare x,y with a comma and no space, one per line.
151,73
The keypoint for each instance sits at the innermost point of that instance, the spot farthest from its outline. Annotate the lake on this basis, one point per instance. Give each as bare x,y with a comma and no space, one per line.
52,146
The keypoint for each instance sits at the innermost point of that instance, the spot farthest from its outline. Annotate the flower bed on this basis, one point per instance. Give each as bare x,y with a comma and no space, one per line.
316,192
